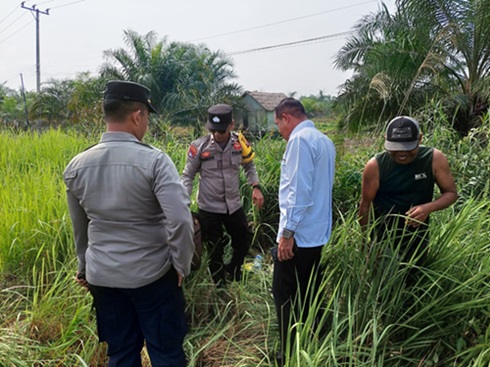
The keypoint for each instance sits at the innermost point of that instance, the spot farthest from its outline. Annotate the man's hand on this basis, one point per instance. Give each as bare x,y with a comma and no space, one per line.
417,215
180,279
257,198
285,249
80,279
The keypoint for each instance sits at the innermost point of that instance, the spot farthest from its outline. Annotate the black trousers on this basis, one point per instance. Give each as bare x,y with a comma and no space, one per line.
154,313
213,228
295,283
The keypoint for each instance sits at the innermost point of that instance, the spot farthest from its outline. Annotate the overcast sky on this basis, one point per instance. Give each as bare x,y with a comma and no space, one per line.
76,32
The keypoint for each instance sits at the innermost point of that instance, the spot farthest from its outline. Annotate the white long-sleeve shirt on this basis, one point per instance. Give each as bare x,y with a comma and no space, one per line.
305,189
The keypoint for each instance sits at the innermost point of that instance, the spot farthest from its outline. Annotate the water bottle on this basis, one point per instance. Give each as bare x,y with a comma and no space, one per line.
257,265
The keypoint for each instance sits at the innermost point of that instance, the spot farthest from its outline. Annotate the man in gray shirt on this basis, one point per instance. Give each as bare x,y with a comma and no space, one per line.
133,234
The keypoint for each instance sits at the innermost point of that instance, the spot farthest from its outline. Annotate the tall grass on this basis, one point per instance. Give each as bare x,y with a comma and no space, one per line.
368,316
364,314
33,209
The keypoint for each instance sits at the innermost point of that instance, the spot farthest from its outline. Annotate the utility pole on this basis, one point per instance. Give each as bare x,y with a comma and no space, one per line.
36,13
25,101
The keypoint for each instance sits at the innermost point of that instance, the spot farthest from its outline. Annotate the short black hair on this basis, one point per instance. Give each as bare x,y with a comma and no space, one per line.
116,110
291,106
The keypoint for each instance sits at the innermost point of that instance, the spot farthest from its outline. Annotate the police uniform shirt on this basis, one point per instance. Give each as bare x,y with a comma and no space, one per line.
219,173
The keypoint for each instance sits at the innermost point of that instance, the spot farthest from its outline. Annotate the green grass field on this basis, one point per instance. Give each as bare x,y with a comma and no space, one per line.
365,314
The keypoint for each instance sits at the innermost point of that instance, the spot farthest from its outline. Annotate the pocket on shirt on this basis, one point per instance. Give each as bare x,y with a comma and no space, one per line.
208,167
236,159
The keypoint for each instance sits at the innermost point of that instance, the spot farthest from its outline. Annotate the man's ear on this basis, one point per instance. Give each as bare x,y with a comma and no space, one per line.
136,117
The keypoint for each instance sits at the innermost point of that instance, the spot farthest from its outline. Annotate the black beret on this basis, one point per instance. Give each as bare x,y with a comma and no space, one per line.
219,117
128,91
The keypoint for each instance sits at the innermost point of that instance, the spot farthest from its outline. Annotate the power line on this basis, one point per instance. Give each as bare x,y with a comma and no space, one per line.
10,78
44,2
310,40
61,6
7,27
36,12
283,21
13,34
9,14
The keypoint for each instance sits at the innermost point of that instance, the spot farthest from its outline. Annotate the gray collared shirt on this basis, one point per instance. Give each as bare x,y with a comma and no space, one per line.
130,213
219,174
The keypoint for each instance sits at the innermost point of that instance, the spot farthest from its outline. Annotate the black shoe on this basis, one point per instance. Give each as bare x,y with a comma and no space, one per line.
219,279
235,272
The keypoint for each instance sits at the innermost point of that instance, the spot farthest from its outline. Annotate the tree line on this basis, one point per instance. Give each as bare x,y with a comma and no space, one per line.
428,54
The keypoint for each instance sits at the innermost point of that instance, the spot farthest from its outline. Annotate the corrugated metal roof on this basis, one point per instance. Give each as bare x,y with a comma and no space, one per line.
267,100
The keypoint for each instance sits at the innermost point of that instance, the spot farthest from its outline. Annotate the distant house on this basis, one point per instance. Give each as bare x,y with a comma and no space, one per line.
258,113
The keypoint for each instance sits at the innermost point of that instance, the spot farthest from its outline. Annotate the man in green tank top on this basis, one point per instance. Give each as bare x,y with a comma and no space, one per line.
398,187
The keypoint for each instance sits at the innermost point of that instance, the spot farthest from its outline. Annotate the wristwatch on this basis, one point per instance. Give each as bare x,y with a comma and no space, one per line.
286,233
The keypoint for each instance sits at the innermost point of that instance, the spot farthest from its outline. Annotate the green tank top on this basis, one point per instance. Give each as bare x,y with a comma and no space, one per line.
402,186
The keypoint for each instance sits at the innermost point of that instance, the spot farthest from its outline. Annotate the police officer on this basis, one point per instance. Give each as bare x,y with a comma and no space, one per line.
217,157
133,234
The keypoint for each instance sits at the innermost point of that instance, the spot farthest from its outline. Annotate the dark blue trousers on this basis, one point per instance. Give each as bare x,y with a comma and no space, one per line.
153,313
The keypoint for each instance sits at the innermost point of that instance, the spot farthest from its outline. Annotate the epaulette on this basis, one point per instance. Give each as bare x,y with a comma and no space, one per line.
90,147
148,146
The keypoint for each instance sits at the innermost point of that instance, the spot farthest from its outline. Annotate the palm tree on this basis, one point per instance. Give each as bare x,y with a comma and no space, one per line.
50,105
390,62
71,100
462,26
184,78
12,108
85,102
426,51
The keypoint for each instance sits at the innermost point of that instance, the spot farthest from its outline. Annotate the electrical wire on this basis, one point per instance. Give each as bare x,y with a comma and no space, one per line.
13,34
296,43
44,2
62,6
283,21
9,14
7,27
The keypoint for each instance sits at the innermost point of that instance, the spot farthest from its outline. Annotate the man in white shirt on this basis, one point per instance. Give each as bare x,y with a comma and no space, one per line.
305,204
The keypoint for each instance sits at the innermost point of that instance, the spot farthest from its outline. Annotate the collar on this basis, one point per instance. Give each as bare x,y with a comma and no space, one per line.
109,136
302,125
233,138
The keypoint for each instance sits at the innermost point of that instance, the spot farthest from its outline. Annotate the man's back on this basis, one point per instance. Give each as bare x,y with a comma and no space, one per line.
308,170
122,185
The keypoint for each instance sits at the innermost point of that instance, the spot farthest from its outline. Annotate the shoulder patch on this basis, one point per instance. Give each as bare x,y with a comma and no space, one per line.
192,152
237,146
